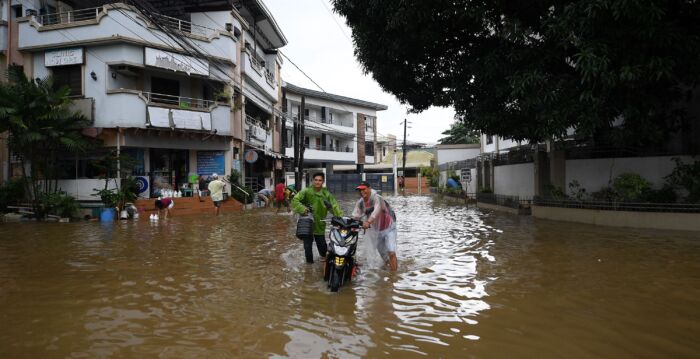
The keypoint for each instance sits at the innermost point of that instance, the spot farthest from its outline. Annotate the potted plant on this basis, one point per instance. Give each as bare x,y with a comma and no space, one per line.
109,198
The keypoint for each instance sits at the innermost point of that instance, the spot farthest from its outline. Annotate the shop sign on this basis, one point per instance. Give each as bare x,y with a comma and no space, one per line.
142,186
209,162
251,156
176,62
62,57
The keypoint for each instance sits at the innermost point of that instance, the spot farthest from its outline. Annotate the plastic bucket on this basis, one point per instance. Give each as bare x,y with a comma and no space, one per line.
107,215
305,227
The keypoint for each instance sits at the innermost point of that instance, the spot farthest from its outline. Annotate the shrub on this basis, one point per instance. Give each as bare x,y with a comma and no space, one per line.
555,191
60,204
631,186
663,195
686,177
234,177
576,191
606,194
245,195
11,192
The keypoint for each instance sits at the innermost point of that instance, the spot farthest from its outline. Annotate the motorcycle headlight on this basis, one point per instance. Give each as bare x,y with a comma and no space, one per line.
341,251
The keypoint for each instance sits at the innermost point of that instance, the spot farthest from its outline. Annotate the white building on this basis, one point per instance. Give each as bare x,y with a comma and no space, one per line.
338,129
189,88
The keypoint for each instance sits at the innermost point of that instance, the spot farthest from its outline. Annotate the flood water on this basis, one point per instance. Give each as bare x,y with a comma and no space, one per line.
471,284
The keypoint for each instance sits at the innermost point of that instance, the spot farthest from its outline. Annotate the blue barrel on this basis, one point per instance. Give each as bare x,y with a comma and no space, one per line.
107,215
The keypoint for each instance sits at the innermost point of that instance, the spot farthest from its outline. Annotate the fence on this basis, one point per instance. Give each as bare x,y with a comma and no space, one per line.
502,200
617,206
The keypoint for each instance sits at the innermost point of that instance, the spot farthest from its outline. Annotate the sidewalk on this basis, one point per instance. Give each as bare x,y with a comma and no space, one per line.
185,206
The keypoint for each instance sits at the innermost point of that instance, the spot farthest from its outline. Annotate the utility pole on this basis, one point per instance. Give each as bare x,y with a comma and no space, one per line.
299,145
403,167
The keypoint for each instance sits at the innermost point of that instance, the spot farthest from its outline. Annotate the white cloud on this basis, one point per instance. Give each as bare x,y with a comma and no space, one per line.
325,53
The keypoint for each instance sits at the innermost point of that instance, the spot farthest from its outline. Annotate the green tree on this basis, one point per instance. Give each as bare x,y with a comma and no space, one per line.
533,69
41,129
459,133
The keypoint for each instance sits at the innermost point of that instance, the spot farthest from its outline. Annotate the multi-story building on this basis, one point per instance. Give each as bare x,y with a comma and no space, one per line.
182,87
337,129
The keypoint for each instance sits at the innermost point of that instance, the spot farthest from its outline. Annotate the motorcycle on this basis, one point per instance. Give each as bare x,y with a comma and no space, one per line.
340,265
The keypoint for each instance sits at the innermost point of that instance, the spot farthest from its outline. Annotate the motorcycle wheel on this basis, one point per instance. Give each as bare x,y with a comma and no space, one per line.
327,268
335,281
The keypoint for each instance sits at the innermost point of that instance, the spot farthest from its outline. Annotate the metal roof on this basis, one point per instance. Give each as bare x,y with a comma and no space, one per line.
331,97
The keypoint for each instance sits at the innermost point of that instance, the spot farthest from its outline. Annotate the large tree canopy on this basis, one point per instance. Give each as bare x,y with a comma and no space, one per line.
459,133
532,69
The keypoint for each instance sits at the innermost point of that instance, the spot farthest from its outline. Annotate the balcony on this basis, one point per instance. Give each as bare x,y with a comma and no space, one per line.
133,108
118,23
263,78
257,133
317,124
326,153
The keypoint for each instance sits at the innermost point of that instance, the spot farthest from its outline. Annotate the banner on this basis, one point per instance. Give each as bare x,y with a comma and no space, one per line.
209,162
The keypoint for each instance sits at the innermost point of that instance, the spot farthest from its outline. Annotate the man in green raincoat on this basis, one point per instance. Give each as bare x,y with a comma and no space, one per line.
315,197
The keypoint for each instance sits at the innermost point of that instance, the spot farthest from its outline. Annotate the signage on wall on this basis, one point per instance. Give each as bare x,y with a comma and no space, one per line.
251,156
62,57
142,186
176,62
466,175
209,162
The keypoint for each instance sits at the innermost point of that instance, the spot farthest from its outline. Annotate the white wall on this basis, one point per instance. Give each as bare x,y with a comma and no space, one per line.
594,174
456,154
515,180
82,189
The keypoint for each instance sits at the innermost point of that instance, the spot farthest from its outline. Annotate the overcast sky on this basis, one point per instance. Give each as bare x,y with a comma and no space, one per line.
321,45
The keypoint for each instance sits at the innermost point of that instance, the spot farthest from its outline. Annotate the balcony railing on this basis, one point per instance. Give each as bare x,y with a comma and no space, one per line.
255,122
346,149
185,26
328,121
70,16
262,70
185,103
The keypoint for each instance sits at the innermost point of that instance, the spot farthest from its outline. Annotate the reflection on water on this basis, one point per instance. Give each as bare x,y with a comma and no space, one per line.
470,284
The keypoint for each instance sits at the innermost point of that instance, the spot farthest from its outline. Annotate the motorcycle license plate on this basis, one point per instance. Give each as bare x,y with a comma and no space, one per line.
339,261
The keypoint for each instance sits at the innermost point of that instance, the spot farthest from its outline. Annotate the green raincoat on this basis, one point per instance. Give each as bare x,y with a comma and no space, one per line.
309,196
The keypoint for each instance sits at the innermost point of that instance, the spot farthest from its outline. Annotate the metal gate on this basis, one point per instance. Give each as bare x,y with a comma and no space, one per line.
342,182
382,182
346,182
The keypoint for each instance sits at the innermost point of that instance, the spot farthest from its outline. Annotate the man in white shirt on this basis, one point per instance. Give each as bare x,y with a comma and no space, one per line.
216,191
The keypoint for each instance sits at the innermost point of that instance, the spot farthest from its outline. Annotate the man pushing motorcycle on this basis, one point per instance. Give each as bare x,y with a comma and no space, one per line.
380,223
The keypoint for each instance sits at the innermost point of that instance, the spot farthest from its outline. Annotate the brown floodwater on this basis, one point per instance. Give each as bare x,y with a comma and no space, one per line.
471,284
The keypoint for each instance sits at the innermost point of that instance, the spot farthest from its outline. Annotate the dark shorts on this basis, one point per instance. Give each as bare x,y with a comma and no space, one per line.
217,204
281,202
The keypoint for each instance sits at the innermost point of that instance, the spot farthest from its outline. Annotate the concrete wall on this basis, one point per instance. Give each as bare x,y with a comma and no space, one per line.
456,154
653,220
515,180
82,189
594,174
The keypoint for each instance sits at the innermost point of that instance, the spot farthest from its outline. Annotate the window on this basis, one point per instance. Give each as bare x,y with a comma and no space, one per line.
165,91
306,112
17,10
369,124
369,148
70,76
489,140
